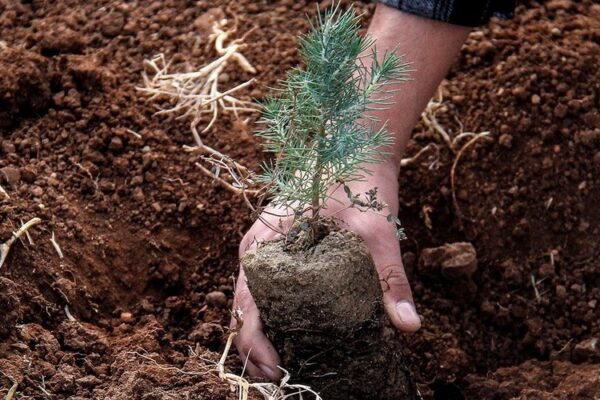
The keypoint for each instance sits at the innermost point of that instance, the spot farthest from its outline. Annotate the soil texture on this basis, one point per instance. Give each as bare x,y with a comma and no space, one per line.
136,304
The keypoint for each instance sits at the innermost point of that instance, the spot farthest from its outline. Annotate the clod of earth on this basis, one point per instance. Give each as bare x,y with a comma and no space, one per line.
453,260
587,350
322,309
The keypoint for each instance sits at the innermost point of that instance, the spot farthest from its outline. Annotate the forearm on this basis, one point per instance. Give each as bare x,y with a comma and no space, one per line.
431,47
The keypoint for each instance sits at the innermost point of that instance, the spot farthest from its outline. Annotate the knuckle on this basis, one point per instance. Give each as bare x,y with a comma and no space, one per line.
393,276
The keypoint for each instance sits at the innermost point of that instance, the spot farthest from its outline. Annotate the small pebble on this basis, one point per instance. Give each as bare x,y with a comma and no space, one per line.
126,317
216,299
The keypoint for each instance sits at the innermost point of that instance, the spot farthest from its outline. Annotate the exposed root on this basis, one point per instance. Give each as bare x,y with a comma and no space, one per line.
269,391
433,165
429,120
5,247
29,239
56,246
474,139
428,117
12,391
197,93
70,316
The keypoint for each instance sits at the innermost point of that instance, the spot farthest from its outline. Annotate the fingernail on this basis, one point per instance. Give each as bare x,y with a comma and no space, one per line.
407,314
268,371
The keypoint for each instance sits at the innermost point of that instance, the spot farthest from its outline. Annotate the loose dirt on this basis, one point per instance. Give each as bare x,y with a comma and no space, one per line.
150,244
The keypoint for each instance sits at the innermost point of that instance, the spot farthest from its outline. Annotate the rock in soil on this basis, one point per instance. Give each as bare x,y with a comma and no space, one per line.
587,350
453,260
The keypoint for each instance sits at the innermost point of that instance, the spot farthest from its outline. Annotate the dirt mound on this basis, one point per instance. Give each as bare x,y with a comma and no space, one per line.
24,84
145,238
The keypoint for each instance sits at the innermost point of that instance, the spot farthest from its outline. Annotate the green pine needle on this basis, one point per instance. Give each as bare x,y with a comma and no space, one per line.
316,126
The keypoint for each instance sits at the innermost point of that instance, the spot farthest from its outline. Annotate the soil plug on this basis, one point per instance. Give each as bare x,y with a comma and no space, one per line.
317,290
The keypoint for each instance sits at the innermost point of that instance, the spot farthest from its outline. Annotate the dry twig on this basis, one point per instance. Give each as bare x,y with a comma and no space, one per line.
5,247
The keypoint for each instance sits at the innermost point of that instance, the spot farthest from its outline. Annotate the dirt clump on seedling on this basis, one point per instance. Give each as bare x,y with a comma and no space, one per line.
322,308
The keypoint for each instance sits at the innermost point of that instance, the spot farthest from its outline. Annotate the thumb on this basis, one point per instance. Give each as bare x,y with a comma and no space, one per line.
397,296
255,349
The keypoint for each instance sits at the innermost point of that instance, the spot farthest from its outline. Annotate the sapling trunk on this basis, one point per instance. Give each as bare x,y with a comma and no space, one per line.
317,291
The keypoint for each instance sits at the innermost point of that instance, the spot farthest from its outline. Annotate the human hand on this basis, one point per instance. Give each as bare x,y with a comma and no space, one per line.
379,236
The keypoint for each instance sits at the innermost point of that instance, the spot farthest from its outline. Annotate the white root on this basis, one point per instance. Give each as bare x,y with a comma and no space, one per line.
429,119
56,246
5,247
197,93
70,316
11,392
433,165
269,391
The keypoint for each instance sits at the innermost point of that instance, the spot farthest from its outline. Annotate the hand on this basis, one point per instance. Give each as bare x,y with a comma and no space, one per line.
379,236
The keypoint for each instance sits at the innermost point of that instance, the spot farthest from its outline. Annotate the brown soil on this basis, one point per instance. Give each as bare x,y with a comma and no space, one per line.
143,232
330,328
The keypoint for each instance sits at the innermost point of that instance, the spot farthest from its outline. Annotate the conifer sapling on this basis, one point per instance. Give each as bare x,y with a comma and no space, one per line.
318,126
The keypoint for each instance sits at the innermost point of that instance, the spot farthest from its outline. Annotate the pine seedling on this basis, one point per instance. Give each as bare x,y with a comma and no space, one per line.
318,126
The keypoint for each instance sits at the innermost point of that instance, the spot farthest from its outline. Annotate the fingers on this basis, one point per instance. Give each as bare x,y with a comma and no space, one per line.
255,349
397,296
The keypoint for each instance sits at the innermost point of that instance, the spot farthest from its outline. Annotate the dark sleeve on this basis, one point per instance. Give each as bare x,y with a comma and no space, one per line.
458,12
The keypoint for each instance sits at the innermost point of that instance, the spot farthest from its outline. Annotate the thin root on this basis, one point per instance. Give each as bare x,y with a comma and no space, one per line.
269,391
5,247
474,139
407,161
11,391
197,93
56,246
